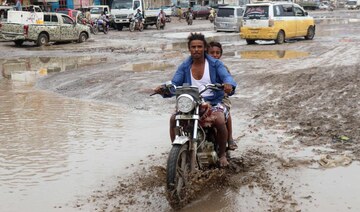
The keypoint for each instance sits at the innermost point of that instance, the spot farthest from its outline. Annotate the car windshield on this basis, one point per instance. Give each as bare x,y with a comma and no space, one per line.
122,4
95,10
256,12
225,12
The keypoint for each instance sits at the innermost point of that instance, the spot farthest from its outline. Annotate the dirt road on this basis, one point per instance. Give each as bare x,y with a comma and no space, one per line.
296,114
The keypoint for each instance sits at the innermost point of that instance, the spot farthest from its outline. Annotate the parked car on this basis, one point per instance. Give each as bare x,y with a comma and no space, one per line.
276,21
201,12
51,27
323,6
229,18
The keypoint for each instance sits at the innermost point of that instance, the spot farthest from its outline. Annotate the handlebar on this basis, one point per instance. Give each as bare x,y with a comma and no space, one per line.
166,88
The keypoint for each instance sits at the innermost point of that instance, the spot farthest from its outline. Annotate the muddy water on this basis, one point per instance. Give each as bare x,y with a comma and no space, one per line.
54,150
267,54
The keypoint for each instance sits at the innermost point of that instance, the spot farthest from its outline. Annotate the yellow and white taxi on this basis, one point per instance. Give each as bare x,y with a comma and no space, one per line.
276,21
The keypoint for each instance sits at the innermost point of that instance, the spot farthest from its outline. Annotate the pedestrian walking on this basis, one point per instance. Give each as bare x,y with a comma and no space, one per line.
179,13
18,6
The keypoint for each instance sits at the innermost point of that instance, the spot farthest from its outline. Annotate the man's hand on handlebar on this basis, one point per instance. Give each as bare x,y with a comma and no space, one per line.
228,88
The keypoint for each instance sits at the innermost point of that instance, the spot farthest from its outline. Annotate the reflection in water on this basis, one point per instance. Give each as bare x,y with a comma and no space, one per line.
28,69
268,54
51,142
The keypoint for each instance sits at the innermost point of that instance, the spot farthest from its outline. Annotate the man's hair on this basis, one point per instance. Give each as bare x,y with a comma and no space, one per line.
216,44
196,36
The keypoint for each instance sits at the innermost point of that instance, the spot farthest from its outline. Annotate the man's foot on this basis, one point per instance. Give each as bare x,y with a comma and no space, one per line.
223,161
232,145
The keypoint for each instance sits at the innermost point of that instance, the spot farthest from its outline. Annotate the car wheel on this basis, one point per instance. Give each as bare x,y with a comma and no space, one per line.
42,40
280,37
83,37
310,33
250,42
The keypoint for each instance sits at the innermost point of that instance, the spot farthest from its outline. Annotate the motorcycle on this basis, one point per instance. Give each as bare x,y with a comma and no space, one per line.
100,26
91,24
189,19
135,24
160,24
194,147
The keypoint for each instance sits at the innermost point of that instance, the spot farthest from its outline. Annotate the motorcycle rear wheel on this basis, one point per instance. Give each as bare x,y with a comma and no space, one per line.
177,174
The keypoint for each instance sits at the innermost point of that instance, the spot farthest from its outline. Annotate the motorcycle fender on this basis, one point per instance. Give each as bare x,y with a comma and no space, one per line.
180,140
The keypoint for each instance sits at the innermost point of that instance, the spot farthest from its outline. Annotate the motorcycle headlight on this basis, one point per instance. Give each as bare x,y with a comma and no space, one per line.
185,103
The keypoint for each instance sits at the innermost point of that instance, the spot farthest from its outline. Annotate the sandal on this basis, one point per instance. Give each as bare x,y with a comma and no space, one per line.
232,145
223,162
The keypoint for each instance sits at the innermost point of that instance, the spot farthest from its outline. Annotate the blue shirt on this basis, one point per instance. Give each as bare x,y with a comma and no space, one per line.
218,74
18,6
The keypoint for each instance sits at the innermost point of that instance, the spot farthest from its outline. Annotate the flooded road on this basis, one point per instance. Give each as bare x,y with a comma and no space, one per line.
60,149
79,132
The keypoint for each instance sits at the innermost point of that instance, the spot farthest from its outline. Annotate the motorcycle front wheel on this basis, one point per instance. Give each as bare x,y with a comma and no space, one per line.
95,30
132,26
177,174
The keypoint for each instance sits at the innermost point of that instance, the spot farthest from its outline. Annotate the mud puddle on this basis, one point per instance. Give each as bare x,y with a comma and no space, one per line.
319,189
54,149
60,149
147,66
329,21
268,54
30,68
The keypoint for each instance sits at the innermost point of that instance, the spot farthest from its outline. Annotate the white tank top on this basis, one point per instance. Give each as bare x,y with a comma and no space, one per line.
203,81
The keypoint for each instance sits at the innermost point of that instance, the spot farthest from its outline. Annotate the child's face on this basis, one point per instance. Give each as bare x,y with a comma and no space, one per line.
215,52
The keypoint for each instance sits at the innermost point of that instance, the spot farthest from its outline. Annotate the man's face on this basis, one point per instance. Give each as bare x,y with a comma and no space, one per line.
197,49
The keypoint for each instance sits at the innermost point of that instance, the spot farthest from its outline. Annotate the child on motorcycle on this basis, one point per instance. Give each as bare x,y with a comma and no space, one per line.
215,50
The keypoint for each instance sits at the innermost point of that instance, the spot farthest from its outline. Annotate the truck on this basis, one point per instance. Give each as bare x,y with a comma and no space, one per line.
96,10
122,11
42,28
352,4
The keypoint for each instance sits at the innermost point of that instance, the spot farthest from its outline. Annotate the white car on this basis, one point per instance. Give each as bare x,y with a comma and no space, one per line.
323,7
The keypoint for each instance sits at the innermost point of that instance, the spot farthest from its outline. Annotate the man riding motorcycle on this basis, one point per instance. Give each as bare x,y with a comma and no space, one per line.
212,15
199,70
188,14
162,17
105,21
138,16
